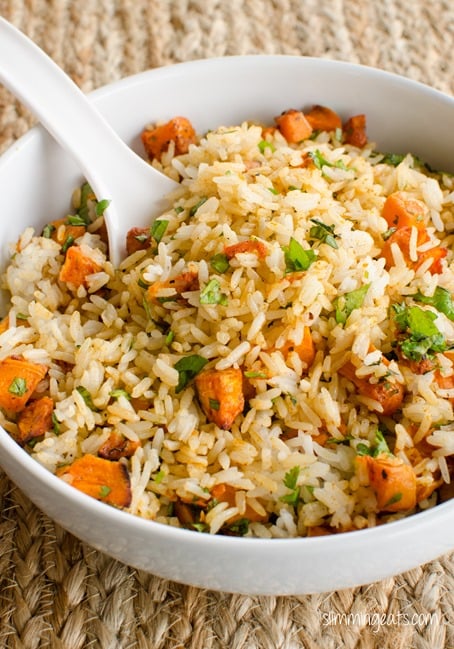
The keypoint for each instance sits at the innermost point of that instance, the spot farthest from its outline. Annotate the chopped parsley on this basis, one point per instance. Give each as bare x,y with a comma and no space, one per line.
214,404
320,161
118,392
101,206
169,337
18,386
238,528
47,231
104,491
263,145
297,258
158,229
86,396
380,446
75,220
159,476
347,303
255,375
188,367
440,300
68,243
220,262
290,481
422,336
55,424
195,207
212,294
393,159
323,233
86,193
394,499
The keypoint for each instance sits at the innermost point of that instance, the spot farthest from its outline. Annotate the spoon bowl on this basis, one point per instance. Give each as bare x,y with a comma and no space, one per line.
136,191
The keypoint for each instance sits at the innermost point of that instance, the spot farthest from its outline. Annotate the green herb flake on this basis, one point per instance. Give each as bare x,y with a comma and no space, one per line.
290,481
158,229
141,237
18,386
239,527
440,300
104,491
264,145
47,231
212,294
297,258
347,303
101,206
214,404
118,392
179,209
86,396
22,316
188,367
55,424
388,233
147,309
199,527
255,375
393,159
320,161
75,220
169,338
86,193
273,191
68,243
323,233
159,476
394,499
423,337
363,449
195,207
220,262
142,283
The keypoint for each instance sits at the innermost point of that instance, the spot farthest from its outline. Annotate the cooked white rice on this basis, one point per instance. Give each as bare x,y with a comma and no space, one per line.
291,455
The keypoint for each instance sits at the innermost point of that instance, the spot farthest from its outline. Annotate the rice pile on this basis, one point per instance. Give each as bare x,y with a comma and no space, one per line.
290,457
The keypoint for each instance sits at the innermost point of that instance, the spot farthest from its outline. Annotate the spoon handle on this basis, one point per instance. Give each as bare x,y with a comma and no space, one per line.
111,167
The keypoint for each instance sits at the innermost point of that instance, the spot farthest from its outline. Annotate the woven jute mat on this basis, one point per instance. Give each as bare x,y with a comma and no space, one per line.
56,592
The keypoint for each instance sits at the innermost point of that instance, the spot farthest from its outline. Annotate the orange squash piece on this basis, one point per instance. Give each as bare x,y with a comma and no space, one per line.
387,391
157,140
62,230
400,211
252,245
401,237
392,480
117,446
221,396
76,267
102,479
305,349
294,126
226,493
322,118
354,131
35,419
18,380
187,281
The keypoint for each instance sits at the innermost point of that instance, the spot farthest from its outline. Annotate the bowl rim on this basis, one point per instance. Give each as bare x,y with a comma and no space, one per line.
343,541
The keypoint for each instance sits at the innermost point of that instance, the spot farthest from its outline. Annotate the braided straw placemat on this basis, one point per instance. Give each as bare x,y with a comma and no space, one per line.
58,593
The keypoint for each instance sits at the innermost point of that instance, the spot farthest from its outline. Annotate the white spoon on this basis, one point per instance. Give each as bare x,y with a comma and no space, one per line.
136,190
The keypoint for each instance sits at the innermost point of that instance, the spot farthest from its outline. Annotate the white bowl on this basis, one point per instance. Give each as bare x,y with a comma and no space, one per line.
37,179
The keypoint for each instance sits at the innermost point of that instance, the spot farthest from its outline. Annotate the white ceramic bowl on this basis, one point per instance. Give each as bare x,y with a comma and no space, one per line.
37,179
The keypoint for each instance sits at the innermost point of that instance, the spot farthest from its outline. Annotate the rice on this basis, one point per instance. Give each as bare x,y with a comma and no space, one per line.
261,249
